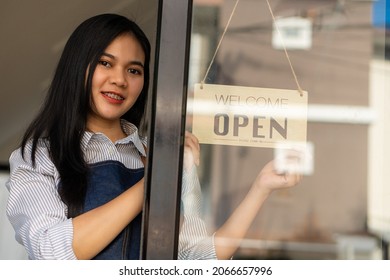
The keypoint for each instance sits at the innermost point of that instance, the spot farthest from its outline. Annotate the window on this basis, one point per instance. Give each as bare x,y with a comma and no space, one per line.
339,210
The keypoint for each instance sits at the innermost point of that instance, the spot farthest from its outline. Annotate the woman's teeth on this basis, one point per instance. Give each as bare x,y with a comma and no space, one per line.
112,95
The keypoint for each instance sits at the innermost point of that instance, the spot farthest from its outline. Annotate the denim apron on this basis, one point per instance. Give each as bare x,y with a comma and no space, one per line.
106,181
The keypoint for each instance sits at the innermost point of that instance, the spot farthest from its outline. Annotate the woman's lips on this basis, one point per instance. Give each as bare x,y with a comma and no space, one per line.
113,97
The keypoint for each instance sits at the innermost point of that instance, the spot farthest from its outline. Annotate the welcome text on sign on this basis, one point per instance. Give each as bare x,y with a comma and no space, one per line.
260,102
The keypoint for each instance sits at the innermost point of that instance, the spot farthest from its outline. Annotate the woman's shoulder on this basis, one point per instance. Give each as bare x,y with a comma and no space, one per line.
22,156
41,146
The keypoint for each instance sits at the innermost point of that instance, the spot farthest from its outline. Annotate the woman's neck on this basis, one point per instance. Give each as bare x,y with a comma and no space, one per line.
112,129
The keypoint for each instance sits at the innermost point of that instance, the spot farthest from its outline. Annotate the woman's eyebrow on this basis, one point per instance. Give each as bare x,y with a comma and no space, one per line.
132,62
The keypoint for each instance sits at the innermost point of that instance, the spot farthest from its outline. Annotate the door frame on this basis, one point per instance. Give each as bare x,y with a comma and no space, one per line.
166,130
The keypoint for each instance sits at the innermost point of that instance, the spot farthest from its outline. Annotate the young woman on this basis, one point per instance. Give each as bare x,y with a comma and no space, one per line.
76,184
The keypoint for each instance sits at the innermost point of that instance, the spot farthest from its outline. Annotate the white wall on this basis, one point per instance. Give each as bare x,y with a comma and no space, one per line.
379,151
9,248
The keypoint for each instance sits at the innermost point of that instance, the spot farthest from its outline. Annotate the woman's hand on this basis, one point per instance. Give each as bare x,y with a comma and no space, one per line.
269,180
191,151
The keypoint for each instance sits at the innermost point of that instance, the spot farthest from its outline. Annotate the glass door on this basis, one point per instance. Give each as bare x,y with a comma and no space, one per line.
338,210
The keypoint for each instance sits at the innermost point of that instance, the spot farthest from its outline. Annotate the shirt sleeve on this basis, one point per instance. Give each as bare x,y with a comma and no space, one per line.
35,209
194,241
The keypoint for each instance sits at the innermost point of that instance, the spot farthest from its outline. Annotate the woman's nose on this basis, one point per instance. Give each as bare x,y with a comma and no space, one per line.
118,78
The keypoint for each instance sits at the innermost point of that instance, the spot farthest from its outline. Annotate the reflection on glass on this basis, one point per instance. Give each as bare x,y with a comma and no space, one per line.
335,210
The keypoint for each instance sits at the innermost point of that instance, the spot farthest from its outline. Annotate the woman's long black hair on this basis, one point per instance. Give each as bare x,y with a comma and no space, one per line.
63,116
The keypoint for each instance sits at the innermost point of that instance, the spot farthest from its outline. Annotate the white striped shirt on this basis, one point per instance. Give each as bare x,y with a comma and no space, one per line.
39,216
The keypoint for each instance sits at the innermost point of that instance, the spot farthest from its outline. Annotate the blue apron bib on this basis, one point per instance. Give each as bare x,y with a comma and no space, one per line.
106,181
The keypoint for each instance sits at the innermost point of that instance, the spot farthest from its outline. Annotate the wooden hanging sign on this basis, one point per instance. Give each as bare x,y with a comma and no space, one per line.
248,116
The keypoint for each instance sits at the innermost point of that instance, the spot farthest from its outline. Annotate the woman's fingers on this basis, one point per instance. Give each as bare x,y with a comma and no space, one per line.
269,179
192,146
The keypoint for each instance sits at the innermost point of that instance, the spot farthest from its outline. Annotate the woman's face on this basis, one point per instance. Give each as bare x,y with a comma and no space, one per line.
118,79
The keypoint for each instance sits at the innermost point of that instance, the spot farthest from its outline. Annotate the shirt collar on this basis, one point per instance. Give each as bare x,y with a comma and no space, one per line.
132,137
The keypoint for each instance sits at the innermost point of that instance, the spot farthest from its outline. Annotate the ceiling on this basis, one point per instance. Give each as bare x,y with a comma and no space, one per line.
33,34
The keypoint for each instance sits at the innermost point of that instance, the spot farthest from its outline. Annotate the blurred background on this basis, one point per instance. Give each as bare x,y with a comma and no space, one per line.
338,48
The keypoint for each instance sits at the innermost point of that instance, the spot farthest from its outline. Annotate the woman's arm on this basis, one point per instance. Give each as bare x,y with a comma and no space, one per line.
38,214
229,236
95,229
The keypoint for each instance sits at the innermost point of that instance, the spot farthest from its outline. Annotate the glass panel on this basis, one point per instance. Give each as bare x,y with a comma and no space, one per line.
339,210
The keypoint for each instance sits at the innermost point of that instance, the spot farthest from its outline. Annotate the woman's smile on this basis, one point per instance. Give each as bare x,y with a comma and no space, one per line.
112,97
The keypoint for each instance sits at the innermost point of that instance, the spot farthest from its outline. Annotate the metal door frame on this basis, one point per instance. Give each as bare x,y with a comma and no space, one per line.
167,111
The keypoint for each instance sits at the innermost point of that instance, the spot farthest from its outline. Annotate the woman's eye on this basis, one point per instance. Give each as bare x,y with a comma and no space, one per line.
104,63
134,71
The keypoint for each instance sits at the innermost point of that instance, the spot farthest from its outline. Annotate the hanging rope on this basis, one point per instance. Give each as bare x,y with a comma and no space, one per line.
285,49
220,42
281,38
